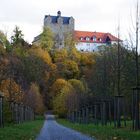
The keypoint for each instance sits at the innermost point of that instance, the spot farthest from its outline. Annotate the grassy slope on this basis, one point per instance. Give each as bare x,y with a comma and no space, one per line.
103,132
25,131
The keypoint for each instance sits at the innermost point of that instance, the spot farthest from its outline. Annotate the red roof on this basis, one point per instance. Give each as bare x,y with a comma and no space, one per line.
97,37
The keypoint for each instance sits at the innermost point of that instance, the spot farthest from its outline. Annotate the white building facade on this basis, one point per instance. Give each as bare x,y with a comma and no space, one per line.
91,41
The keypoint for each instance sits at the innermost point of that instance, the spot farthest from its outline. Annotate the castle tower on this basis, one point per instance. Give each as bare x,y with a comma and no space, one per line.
60,26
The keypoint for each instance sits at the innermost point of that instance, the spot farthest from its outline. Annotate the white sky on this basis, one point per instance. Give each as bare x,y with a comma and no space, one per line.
89,15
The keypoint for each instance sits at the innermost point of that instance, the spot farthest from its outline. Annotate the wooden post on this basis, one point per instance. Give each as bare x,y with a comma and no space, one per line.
117,110
87,114
110,112
104,112
135,108
83,115
91,111
80,116
101,112
1,111
96,114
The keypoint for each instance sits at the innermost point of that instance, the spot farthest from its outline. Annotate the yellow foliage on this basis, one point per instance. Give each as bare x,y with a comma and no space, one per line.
57,86
77,85
75,55
60,55
71,69
87,59
43,54
11,90
53,70
61,101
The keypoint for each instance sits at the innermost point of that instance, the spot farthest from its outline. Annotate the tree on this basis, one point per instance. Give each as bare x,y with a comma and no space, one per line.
11,90
61,102
79,95
33,68
69,40
17,38
34,99
47,39
3,67
87,59
57,86
59,55
78,86
136,100
68,69
3,40
74,55
43,54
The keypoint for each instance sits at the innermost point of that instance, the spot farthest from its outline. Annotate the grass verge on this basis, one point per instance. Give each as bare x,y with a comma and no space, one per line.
24,131
103,132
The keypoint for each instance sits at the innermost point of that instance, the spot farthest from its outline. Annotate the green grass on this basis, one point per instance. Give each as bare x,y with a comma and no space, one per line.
103,132
25,131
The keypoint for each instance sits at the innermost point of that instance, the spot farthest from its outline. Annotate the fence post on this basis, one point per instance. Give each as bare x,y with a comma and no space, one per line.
117,110
1,111
96,114
87,115
16,112
22,112
12,109
110,112
135,108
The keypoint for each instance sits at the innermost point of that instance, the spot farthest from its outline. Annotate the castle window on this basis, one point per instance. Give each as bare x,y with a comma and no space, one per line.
87,38
94,38
99,39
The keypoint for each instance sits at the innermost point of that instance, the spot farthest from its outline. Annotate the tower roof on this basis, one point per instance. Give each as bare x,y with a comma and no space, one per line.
54,18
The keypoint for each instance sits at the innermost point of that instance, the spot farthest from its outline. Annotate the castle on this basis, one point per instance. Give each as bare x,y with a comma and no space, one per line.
87,41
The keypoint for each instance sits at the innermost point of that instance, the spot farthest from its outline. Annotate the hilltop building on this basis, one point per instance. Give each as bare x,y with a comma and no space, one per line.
87,41
90,41
59,25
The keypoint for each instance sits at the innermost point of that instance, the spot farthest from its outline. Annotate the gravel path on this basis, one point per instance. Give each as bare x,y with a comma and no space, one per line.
54,131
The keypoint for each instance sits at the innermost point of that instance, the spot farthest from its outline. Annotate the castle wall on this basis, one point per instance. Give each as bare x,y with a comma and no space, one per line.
59,29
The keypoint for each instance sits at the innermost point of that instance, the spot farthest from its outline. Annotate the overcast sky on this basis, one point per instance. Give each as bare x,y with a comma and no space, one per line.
89,15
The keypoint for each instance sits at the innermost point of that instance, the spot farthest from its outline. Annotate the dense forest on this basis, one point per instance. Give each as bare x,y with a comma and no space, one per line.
48,78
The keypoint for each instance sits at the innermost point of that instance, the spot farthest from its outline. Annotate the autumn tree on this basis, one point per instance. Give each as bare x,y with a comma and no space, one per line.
3,67
69,40
11,90
57,86
61,102
47,39
3,40
75,55
79,95
33,98
59,55
68,69
48,71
